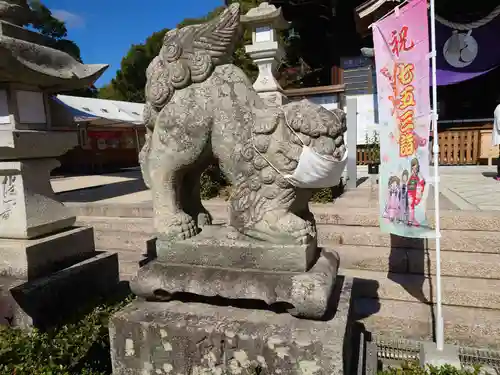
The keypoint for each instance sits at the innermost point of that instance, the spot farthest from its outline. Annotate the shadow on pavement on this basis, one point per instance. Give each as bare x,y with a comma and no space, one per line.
101,192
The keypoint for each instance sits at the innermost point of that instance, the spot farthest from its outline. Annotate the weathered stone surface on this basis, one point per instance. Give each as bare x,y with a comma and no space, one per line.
193,338
223,246
29,259
48,300
308,292
28,207
197,106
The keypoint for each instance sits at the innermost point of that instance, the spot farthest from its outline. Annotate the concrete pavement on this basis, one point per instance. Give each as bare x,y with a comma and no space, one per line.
468,187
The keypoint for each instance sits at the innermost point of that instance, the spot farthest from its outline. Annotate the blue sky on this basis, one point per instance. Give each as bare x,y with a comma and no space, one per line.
105,29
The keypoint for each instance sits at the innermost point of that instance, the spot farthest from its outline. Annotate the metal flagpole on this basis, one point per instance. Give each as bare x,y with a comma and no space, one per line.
435,150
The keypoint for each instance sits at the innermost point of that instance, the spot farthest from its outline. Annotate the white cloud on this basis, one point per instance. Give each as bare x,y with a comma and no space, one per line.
73,21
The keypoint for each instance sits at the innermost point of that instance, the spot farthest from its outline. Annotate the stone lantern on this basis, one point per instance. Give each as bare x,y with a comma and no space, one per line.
48,264
265,50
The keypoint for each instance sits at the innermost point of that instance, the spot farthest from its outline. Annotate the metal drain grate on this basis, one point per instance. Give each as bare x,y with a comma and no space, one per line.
489,360
383,352
396,352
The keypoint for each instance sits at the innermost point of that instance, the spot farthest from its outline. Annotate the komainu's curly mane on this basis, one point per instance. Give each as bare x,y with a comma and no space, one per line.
188,55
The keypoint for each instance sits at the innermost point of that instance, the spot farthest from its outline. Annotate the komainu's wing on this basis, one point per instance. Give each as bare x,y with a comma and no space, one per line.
193,51
189,55
219,36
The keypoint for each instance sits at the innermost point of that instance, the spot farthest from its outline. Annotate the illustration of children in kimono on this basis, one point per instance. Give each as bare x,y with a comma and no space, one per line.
416,185
403,201
391,211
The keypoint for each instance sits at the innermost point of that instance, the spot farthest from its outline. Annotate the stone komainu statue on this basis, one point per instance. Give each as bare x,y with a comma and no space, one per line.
199,105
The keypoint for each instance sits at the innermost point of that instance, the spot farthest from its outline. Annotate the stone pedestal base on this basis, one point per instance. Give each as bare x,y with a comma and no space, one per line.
45,280
307,293
28,207
194,338
220,261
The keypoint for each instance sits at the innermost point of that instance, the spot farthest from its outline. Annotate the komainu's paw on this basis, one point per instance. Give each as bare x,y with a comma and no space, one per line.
204,219
179,226
283,227
301,230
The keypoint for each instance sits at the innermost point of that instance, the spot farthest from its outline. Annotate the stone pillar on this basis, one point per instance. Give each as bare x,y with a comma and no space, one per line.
265,50
28,153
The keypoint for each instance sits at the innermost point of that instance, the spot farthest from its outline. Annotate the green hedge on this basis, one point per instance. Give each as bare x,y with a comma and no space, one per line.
213,184
80,348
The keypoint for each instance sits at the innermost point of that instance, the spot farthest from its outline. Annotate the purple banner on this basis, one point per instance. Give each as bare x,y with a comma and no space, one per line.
463,55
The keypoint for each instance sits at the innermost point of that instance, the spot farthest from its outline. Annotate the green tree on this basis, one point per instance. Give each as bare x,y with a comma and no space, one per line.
130,79
46,24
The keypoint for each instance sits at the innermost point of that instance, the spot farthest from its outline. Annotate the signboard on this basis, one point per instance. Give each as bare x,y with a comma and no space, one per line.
357,75
401,43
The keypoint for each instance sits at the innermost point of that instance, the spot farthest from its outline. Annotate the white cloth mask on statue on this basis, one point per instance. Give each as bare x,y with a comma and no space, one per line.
316,171
313,170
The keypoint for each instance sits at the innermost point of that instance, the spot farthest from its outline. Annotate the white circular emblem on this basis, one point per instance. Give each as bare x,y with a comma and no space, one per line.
460,50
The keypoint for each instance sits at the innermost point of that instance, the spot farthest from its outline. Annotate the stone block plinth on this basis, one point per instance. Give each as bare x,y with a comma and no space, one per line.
195,338
30,259
49,278
52,299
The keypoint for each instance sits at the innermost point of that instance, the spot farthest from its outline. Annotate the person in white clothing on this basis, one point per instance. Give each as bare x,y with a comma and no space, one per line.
495,137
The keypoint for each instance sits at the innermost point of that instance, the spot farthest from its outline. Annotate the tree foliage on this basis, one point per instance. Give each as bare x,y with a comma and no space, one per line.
130,79
46,24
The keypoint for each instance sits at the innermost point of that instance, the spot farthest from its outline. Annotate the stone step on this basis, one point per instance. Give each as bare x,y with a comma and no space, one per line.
122,241
324,213
130,263
126,224
456,291
454,240
420,262
47,301
473,253
467,326
131,233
